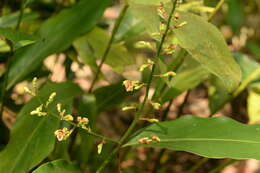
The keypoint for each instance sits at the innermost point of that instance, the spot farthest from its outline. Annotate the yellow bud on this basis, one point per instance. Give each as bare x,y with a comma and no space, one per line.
150,120
143,44
100,146
28,91
145,140
126,108
34,83
181,24
155,105
51,98
58,107
156,139
68,117
168,74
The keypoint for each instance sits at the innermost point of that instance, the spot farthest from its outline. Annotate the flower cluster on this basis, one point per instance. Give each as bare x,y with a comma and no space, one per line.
147,140
42,110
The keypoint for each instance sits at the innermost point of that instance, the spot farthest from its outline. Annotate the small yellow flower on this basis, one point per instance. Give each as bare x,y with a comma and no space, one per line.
83,122
132,85
38,111
156,139
62,134
162,12
145,140
149,63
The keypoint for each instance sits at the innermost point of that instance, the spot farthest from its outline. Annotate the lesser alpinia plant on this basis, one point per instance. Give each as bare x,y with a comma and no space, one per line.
158,51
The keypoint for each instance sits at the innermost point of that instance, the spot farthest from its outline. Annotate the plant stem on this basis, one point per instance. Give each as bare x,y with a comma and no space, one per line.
219,5
222,166
180,109
20,15
197,165
103,59
141,107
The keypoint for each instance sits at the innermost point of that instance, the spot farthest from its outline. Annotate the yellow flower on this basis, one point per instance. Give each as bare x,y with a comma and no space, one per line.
62,134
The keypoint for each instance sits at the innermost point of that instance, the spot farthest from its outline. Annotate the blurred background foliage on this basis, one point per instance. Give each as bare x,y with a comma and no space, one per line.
76,52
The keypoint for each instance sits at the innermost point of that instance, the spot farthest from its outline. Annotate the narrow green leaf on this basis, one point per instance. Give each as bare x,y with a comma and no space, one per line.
17,38
32,137
206,45
218,137
58,166
58,33
118,57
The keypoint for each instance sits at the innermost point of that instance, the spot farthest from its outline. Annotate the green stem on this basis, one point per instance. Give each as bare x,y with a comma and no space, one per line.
141,107
219,5
104,57
20,15
222,166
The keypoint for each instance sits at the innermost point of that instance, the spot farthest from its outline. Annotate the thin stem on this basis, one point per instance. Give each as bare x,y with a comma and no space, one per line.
141,107
180,109
197,165
222,166
219,5
20,15
75,125
104,57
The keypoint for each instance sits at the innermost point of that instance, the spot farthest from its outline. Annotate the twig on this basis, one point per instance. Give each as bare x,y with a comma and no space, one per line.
219,5
141,107
20,15
180,109
104,57
222,166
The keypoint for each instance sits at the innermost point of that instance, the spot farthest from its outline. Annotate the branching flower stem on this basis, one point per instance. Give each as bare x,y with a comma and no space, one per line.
142,105
75,125
104,57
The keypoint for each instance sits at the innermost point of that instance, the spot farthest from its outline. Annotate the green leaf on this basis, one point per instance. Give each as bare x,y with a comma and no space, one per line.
32,137
118,56
218,96
58,33
253,101
17,38
108,97
58,166
218,137
206,45
189,75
